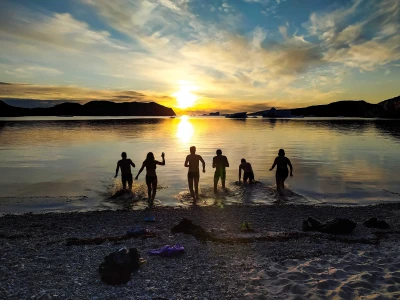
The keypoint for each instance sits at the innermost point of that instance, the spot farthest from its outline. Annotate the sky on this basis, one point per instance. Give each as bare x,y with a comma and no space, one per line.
199,55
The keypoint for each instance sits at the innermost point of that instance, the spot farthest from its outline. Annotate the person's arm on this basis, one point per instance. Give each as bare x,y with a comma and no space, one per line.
131,162
163,160
240,173
214,163
273,166
204,164
140,171
187,162
290,166
116,171
251,168
226,162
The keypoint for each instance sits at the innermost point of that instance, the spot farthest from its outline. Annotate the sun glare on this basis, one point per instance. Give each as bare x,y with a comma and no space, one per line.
184,97
185,129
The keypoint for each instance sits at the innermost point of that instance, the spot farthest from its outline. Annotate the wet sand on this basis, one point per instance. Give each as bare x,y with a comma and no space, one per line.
36,263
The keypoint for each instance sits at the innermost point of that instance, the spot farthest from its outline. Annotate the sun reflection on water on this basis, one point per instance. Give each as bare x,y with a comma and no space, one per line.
185,130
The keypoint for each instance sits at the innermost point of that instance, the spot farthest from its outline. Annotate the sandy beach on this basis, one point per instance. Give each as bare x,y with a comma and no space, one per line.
36,262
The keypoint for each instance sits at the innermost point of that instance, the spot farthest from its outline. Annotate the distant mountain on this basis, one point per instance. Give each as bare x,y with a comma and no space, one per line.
340,108
389,108
386,109
93,108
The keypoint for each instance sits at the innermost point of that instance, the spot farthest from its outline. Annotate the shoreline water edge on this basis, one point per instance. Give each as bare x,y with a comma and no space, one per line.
275,260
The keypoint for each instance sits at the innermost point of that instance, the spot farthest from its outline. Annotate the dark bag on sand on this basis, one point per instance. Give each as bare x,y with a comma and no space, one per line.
375,223
118,266
335,226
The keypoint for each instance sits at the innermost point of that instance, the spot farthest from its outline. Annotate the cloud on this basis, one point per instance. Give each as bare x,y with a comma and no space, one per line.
354,44
31,71
57,30
149,46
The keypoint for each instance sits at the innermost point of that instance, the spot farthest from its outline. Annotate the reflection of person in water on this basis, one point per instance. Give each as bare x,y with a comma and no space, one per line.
247,171
151,177
126,175
220,162
281,171
192,162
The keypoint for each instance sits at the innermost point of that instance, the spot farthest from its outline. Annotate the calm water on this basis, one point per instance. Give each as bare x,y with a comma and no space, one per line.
69,163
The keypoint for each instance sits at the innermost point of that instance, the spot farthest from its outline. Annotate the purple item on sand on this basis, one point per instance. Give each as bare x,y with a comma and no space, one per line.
168,251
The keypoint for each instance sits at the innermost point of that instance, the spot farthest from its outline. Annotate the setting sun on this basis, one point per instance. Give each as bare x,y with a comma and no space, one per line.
184,97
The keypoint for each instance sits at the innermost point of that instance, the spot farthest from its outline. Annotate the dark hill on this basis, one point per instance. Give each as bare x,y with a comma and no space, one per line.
389,108
340,108
93,108
386,109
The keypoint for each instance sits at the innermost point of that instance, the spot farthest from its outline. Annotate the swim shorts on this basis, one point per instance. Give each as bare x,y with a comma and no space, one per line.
248,176
127,178
282,173
195,175
150,178
219,174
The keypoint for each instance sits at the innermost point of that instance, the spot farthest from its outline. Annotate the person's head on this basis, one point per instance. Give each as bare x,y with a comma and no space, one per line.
243,161
123,155
281,152
150,156
193,150
219,152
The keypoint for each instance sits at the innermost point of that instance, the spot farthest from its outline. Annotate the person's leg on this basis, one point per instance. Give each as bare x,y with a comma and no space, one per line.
196,187
190,183
154,183
130,180
148,183
278,184
216,178
223,176
245,177
251,177
123,179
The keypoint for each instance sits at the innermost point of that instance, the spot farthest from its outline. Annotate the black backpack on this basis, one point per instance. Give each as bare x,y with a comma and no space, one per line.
119,265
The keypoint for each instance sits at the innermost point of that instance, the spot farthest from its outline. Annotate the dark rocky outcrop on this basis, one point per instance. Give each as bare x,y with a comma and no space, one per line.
93,108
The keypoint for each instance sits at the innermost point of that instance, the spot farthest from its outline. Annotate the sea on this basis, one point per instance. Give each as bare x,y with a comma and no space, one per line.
68,163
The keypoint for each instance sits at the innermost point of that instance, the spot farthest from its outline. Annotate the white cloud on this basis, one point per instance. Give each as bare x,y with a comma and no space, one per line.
30,71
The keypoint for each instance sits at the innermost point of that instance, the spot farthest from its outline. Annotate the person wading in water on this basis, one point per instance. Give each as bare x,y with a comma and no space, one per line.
220,162
192,162
282,172
151,177
247,171
126,175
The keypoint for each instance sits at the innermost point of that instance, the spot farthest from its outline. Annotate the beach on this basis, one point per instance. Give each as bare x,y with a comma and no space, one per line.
276,261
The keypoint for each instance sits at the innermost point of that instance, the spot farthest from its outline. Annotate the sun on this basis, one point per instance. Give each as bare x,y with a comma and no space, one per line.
184,97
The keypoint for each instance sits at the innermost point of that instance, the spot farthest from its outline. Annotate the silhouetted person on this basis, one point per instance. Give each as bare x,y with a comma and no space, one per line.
192,162
151,177
247,171
220,162
282,170
126,175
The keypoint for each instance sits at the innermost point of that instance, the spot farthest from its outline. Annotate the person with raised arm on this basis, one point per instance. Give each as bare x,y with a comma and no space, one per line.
126,174
220,162
192,162
247,171
151,177
282,172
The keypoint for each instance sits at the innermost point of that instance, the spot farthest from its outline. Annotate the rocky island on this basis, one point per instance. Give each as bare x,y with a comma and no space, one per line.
92,108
